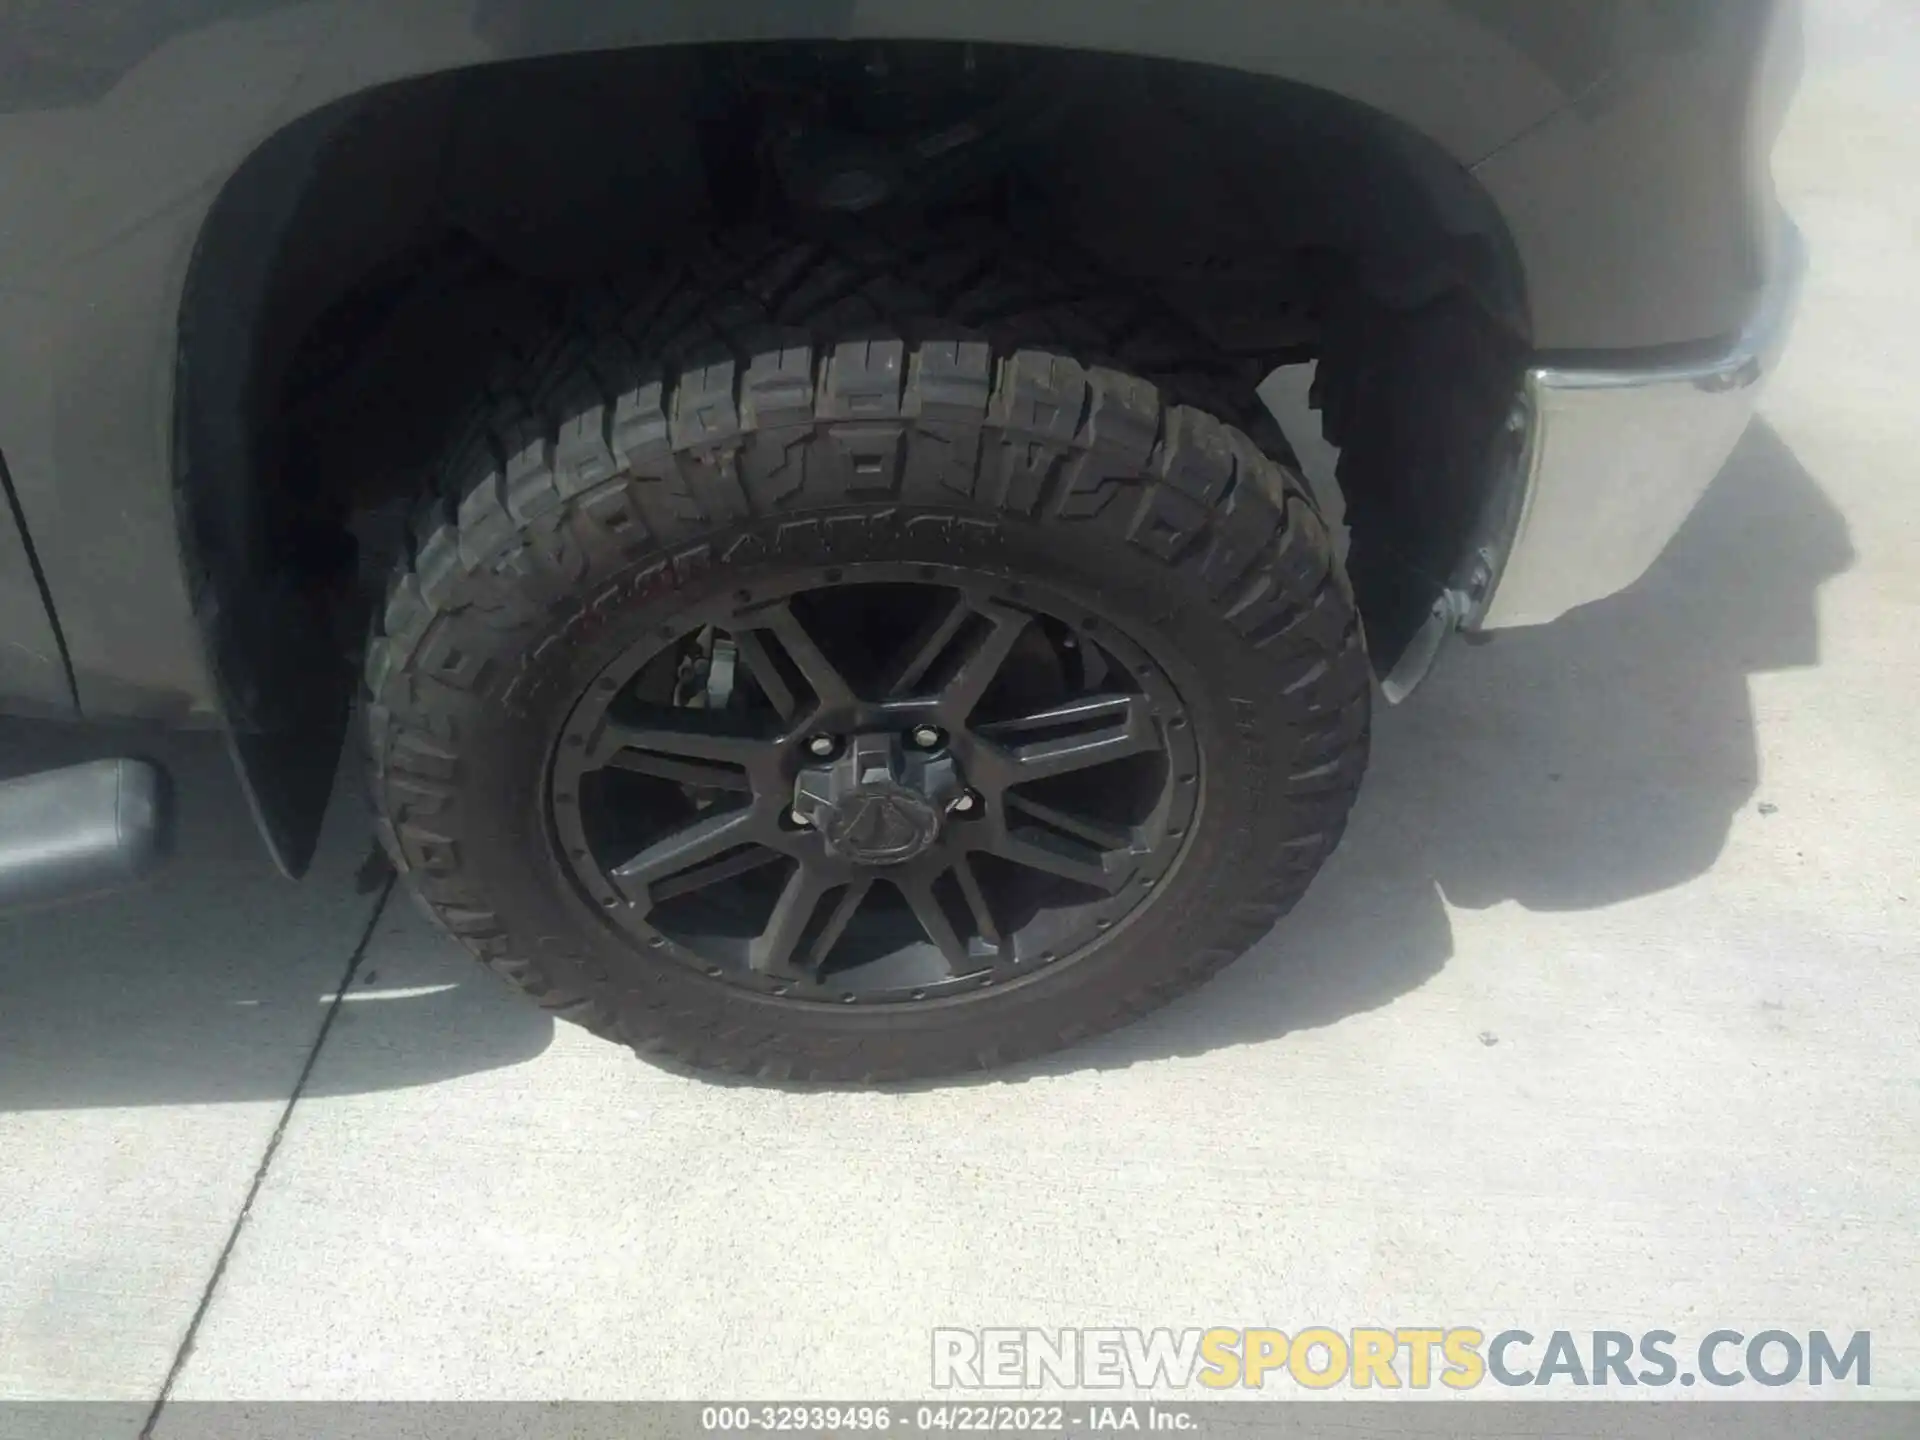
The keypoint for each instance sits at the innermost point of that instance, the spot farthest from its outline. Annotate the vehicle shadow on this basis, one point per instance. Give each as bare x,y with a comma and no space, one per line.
210,982
1564,768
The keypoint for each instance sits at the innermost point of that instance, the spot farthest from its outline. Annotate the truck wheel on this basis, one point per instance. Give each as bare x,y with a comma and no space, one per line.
865,697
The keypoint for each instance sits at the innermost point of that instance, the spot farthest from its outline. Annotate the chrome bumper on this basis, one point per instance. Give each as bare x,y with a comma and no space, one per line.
1615,459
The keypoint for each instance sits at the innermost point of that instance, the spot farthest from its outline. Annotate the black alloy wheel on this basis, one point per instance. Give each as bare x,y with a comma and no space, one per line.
889,785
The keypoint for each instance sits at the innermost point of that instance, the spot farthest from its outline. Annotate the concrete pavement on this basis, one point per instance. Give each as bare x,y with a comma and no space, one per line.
1603,1017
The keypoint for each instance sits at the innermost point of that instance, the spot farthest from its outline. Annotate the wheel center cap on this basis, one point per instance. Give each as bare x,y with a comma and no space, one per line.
880,825
877,804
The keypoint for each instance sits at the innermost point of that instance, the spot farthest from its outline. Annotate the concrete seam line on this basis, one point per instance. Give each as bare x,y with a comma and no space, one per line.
266,1160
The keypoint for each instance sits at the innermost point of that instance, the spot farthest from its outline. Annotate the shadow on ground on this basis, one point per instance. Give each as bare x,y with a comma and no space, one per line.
210,983
1564,767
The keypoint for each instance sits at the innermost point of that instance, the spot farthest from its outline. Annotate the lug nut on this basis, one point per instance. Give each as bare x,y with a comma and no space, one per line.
926,737
963,802
821,745
799,817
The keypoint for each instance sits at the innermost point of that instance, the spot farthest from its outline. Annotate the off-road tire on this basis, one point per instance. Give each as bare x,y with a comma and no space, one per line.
722,434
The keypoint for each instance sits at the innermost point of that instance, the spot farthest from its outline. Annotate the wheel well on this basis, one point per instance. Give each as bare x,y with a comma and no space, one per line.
361,273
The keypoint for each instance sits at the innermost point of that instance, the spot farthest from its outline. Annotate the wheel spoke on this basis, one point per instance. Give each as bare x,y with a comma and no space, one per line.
981,664
1104,728
1080,711
1038,850
713,872
926,647
983,920
695,845
710,753
681,772
830,687
771,951
1100,837
773,684
933,919
843,908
